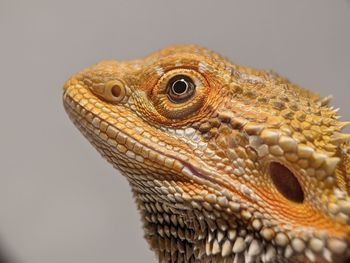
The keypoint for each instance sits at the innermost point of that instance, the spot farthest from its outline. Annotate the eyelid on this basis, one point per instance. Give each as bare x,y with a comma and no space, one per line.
197,82
196,77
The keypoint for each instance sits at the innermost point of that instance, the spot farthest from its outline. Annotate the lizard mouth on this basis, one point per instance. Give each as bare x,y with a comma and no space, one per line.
89,123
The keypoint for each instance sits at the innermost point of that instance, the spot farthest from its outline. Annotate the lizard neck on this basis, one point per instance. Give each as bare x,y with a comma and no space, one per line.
172,231
179,233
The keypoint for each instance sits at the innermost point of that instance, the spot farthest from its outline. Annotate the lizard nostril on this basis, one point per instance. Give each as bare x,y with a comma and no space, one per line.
286,183
114,91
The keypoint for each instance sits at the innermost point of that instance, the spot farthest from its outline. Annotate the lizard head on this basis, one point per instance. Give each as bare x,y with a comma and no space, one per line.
225,162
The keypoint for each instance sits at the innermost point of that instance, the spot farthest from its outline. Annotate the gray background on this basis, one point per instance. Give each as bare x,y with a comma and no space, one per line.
59,201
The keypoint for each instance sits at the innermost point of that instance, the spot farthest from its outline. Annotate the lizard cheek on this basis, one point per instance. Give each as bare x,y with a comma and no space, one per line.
286,183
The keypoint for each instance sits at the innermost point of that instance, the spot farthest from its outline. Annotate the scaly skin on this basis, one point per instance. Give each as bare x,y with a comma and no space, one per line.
250,168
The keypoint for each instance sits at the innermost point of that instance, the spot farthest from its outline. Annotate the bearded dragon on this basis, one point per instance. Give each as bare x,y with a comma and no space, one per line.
226,163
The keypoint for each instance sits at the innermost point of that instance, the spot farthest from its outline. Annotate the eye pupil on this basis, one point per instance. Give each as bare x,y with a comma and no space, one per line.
286,183
180,86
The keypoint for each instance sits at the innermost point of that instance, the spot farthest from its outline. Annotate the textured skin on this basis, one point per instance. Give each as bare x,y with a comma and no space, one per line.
199,170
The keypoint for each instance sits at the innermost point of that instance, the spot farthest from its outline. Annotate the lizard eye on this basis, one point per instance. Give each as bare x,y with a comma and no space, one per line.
286,183
180,88
180,92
